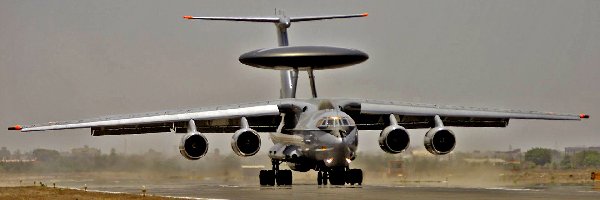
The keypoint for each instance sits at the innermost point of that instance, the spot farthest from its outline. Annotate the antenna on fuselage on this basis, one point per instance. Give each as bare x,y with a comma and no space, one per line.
289,77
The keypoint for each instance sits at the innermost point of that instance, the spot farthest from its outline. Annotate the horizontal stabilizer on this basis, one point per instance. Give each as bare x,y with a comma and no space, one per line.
277,19
243,19
301,19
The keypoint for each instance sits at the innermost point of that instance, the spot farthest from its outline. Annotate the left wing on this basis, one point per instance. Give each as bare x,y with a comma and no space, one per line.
373,114
263,117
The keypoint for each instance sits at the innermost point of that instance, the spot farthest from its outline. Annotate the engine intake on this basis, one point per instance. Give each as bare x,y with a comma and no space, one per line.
439,141
245,142
193,146
394,139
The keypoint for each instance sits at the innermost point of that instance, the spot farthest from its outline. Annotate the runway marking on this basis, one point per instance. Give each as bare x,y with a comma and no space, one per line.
195,198
589,191
111,192
274,187
480,188
230,186
511,189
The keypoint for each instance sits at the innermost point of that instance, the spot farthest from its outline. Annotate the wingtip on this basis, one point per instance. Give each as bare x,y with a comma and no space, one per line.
15,128
188,17
365,14
584,116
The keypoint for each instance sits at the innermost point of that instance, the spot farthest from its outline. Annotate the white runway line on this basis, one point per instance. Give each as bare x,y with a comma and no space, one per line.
111,192
511,189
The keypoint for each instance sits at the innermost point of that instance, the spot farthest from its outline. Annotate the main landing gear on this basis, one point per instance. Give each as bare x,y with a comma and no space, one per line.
270,177
340,176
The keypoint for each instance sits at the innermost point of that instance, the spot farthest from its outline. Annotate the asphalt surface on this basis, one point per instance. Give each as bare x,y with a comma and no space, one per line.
219,191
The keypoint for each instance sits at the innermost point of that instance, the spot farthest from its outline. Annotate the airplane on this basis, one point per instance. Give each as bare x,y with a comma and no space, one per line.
319,134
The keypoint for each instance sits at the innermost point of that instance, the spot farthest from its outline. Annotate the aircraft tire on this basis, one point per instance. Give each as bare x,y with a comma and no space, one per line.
350,177
360,179
284,177
267,177
337,177
319,178
354,176
358,176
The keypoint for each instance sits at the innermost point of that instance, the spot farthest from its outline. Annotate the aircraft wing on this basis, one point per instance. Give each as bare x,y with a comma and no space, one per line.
262,116
373,114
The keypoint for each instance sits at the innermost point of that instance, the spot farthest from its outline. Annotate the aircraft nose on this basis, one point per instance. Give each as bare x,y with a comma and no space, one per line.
338,158
339,132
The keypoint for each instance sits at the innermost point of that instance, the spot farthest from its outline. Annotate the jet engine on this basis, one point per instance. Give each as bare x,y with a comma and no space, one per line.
193,146
439,140
245,142
394,139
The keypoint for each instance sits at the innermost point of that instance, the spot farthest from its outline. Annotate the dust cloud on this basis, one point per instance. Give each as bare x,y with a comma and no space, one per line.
406,169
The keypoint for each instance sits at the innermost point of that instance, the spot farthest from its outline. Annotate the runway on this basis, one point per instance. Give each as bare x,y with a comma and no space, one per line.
194,190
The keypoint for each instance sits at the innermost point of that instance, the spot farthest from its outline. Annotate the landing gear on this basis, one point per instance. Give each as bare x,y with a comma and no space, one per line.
270,177
267,177
340,176
354,176
322,178
284,177
337,176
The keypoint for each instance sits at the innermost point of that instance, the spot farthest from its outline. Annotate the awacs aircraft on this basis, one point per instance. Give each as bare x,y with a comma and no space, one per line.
308,134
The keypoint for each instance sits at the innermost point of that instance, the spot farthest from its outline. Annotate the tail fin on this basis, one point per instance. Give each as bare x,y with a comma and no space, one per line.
289,78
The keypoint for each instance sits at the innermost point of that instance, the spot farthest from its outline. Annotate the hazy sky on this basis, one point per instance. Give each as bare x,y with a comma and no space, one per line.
64,60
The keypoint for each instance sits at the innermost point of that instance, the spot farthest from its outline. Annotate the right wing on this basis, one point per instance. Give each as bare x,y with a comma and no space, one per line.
373,114
263,117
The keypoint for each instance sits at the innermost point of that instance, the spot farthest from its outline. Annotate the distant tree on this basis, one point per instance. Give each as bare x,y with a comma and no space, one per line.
566,162
113,152
17,154
112,157
4,154
539,156
586,159
46,154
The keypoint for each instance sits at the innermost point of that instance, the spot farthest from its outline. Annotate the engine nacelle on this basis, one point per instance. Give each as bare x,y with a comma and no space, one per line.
245,142
193,146
439,140
394,139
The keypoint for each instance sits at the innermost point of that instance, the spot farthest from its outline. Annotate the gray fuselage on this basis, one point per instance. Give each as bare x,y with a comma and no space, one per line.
321,139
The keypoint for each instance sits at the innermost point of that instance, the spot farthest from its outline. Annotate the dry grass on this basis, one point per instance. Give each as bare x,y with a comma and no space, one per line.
36,192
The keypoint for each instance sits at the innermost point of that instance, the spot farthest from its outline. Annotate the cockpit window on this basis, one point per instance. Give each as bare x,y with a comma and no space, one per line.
345,122
327,122
330,122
